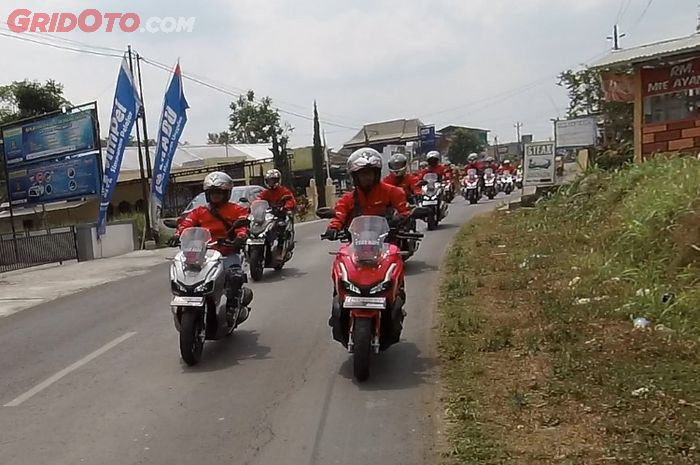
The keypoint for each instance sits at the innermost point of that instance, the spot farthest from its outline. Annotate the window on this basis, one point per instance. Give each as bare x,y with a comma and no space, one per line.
672,107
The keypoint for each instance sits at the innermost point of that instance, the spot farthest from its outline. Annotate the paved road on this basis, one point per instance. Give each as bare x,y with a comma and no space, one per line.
279,391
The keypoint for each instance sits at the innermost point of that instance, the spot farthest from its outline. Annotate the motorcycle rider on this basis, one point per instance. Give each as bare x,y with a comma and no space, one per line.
473,163
434,166
507,168
218,216
370,196
399,176
489,162
274,194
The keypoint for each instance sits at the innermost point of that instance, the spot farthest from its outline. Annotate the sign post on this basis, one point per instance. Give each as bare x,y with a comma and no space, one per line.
539,164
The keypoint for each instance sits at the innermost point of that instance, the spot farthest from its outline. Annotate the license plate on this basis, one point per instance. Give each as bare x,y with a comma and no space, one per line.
256,241
371,303
430,202
180,301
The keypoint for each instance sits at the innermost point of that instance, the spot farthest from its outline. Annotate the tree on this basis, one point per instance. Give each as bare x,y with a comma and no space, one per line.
586,98
24,99
223,138
463,143
317,161
254,122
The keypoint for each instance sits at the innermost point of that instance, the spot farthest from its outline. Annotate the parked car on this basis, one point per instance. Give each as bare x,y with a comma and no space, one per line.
242,195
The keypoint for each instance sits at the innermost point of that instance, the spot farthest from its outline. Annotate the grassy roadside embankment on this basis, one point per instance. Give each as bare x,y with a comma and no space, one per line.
540,359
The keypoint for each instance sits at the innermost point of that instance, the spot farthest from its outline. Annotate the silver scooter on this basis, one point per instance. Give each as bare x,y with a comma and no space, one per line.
200,306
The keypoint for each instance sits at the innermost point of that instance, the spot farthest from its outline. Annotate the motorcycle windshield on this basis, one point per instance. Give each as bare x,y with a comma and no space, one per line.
258,210
368,234
488,173
193,245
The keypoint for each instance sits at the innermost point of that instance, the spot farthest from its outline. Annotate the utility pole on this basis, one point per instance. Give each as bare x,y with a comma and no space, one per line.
518,126
616,37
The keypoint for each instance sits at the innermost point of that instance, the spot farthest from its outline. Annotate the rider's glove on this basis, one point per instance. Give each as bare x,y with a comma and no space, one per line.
174,241
331,234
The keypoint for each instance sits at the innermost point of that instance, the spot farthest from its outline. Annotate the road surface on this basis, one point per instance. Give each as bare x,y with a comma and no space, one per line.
96,377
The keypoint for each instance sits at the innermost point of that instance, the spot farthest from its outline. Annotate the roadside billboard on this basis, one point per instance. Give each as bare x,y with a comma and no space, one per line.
55,180
539,166
52,135
53,157
428,140
576,133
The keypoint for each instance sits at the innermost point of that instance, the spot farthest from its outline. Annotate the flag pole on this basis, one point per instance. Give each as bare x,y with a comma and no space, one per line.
327,157
144,181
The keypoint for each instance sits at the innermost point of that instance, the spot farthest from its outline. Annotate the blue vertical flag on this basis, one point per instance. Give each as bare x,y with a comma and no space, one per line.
127,105
172,122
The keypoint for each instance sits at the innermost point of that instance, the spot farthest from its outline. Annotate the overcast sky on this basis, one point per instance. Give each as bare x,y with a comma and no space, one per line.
478,63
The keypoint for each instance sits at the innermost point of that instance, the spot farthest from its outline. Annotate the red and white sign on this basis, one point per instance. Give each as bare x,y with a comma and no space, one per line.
670,79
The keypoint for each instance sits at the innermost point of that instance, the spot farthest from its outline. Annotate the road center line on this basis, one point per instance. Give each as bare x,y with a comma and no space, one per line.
66,371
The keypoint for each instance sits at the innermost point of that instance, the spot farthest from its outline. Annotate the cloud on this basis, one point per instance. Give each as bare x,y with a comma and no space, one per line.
363,60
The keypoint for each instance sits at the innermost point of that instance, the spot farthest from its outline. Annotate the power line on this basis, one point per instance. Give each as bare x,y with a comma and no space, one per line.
13,35
236,94
47,41
641,17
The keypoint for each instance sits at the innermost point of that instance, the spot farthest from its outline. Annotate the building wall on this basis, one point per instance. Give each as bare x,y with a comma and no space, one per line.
679,136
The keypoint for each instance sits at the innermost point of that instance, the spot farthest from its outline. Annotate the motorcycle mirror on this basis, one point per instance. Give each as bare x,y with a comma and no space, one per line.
170,223
421,212
325,213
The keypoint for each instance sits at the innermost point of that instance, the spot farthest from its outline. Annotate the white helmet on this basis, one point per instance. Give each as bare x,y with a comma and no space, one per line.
218,180
272,174
398,163
433,154
364,158
473,157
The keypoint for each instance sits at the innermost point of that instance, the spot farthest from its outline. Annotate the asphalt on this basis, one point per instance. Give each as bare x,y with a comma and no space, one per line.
96,377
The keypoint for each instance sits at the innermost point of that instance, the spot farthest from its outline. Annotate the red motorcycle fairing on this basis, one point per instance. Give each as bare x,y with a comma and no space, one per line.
365,277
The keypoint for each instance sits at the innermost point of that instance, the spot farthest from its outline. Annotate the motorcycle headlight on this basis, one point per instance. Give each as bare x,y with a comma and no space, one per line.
350,287
381,287
205,288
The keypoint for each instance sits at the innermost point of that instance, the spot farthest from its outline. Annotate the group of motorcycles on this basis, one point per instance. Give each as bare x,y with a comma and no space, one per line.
475,187
369,289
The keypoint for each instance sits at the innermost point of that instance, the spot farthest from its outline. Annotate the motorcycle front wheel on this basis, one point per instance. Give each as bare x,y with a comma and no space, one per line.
191,338
256,261
362,348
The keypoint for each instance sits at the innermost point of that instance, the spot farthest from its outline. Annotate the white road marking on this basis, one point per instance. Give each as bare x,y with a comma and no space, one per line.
66,371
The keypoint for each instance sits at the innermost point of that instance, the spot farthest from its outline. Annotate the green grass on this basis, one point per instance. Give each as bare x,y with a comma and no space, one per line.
520,346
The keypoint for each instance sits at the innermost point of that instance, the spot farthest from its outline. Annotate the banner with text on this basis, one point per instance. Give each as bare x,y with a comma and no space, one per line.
124,114
172,122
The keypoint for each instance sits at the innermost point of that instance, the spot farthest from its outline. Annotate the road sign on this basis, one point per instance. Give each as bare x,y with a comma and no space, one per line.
427,138
539,166
576,133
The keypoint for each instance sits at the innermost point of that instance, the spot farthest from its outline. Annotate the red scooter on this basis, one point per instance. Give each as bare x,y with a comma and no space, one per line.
369,290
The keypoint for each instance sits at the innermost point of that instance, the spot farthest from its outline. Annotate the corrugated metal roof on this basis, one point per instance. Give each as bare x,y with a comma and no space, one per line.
650,51
400,129
196,155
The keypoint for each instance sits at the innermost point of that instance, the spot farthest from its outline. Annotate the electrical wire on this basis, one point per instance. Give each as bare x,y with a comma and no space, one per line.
641,16
15,36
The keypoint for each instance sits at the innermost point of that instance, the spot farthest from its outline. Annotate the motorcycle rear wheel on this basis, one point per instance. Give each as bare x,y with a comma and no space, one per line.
191,338
362,348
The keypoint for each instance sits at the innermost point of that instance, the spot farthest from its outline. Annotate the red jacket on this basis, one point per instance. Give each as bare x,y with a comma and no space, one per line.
376,202
408,183
274,198
439,170
477,165
202,217
507,169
